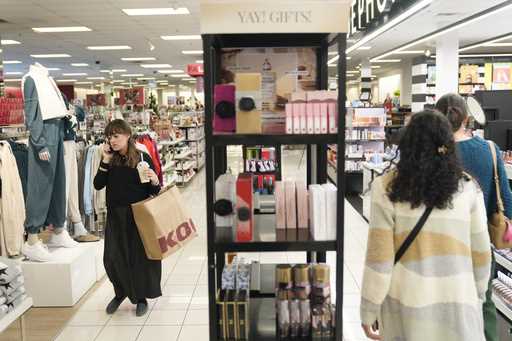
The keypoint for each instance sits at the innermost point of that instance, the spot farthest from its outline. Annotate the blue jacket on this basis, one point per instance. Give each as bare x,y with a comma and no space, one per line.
476,159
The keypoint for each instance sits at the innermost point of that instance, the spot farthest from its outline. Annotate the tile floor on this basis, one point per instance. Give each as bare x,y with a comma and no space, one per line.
181,314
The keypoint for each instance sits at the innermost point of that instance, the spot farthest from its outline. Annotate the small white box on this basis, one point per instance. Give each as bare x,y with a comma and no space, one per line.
331,193
317,212
62,283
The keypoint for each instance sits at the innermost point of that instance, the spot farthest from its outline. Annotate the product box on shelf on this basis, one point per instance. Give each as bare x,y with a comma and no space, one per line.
230,303
291,205
244,208
225,200
330,210
224,119
302,208
242,315
248,103
289,118
317,212
222,314
280,205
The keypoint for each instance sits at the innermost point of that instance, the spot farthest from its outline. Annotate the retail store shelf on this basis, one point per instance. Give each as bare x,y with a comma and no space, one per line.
502,307
8,319
183,156
171,142
195,140
262,139
185,166
267,238
503,261
188,127
364,141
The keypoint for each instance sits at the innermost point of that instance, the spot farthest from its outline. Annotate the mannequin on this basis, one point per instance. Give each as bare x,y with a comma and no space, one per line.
76,113
46,181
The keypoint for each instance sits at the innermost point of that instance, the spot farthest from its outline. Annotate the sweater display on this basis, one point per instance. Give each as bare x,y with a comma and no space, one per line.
435,292
12,204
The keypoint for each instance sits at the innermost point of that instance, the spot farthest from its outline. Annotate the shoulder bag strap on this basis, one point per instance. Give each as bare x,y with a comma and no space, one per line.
499,200
412,236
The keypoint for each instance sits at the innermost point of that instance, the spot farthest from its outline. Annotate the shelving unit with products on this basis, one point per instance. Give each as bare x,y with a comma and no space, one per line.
243,313
502,287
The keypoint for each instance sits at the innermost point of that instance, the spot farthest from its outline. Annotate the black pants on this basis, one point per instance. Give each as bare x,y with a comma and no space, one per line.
130,271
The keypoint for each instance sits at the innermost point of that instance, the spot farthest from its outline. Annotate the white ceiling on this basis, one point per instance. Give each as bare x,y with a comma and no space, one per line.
439,14
110,26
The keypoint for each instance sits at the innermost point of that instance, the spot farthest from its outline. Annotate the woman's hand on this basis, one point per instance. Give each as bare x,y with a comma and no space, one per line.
372,331
107,152
153,177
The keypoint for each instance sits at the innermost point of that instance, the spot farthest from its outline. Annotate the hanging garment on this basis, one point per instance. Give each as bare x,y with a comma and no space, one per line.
20,151
88,189
49,98
12,204
99,197
46,180
81,156
70,161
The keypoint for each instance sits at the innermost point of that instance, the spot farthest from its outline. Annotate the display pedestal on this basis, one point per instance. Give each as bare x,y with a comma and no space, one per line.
62,283
8,319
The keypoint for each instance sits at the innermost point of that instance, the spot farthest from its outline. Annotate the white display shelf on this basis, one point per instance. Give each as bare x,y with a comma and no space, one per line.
503,261
502,307
186,166
171,143
183,156
8,319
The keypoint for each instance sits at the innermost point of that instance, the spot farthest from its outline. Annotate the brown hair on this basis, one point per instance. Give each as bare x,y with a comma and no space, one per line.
132,157
454,107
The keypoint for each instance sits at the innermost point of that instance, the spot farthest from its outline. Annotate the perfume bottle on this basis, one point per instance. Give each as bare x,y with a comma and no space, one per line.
267,66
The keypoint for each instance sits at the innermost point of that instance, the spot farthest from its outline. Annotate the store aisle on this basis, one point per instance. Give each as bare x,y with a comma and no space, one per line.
181,314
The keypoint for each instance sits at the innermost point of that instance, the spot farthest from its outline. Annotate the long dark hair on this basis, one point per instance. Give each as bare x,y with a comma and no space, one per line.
428,171
454,107
132,157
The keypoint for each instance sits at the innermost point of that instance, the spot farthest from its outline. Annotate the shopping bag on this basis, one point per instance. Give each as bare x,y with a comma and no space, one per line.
164,224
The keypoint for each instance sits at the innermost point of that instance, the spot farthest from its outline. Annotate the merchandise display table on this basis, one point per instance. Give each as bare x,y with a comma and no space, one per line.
63,283
8,319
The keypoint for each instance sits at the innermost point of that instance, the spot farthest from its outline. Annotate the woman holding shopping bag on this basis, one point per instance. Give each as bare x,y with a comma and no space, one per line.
129,176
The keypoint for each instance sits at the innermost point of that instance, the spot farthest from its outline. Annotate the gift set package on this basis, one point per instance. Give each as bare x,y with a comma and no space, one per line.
322,207
312,112
303,302
233,301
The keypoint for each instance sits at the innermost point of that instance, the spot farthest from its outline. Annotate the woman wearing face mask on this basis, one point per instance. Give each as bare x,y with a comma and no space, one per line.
475,155
435,290
129,176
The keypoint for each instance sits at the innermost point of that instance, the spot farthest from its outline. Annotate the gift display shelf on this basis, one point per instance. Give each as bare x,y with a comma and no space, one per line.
502,307
12,316
503,261
265,236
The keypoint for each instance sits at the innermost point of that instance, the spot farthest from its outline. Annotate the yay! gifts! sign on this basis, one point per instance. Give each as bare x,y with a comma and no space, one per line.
164,224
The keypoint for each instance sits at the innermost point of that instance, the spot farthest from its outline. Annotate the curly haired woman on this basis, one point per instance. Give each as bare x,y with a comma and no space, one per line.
435,291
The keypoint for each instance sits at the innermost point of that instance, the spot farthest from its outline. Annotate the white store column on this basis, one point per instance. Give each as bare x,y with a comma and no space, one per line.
366,79
447,64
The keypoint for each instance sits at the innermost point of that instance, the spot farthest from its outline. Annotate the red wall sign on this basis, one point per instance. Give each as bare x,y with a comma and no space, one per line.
195,70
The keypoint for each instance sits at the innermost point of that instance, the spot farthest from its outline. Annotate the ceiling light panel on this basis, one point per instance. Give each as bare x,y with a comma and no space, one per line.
156,11
364,48
83,83
138,59
79,64
66,80
133,75
192,52
9,42
410,52
156,66
387,61
61,29
182,37
109,47
51,55
75,74
146,78
179,76
12,62
96,78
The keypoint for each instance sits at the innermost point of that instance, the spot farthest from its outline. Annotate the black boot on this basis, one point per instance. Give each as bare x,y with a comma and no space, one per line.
142,308
114,305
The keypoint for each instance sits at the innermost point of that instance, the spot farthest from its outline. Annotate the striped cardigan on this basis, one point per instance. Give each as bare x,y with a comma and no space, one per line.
435,292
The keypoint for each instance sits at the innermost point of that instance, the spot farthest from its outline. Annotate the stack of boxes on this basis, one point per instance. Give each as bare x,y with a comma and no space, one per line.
312,112
303,302
12,286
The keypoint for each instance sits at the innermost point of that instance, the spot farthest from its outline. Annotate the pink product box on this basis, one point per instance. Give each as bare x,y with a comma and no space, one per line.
303,118
299,96
289,118
316,118
291,205
280,205
298,110
310,118
333,117
324,117
302,205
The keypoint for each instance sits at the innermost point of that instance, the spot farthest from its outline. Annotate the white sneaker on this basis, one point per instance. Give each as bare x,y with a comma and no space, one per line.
37,252
62,240
79,229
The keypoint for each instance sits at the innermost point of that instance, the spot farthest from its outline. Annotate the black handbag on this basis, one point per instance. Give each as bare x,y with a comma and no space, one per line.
412,236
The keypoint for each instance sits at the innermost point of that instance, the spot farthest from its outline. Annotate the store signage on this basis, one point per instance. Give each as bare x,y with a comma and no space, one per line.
195,70
175,237
131,96
365,14
278,16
